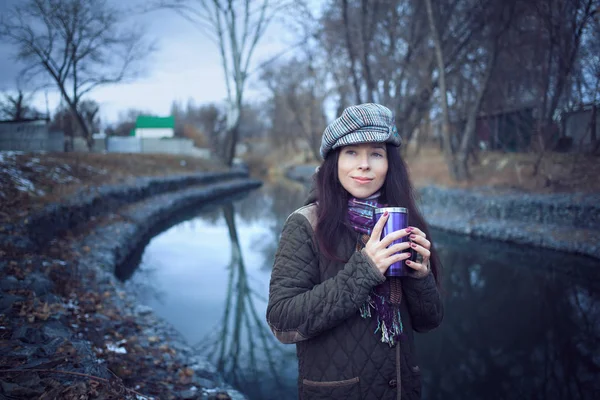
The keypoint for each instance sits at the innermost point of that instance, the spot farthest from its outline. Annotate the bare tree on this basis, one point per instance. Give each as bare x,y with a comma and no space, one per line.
441,68
351,51
126,122
498,16
236,27
380,46
561,28
17,107
298,94
79,44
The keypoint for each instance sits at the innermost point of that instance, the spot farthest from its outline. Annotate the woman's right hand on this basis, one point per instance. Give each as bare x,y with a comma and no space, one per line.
377,249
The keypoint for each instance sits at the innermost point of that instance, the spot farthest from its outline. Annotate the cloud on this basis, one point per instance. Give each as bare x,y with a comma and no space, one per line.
186,66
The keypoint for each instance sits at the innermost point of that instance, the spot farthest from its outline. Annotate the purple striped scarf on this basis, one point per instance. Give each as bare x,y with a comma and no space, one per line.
379,303
361,213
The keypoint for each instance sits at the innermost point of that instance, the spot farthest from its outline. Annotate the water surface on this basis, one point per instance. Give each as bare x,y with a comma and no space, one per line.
520,322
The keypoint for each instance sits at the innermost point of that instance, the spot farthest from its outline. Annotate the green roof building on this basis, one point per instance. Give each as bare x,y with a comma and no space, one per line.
147,126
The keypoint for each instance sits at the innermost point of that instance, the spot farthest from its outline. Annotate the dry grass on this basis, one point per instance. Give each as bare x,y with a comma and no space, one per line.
559,172
29,180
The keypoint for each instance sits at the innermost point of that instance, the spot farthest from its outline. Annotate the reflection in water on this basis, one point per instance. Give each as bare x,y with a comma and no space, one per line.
520,322
243,348
271,206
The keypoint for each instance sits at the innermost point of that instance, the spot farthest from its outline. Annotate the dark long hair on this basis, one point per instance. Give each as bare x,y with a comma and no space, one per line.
397,191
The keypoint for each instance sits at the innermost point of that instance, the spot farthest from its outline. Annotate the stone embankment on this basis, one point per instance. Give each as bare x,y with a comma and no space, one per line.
564,222
69,328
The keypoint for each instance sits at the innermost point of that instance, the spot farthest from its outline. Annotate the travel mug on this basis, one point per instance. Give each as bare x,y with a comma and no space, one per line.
397,220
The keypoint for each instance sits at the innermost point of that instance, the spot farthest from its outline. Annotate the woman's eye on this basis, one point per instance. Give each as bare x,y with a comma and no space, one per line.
377,155
350,152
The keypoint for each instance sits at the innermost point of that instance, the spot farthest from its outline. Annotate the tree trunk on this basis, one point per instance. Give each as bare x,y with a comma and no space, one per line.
366,35
85,131
231,139
447,146
351,54
462,168
234,117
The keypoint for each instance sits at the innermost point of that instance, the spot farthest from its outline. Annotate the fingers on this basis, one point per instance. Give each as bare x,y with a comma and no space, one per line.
420,240
416,231
421,250
393,236
378,228
401,248
397,248
419,267
421,245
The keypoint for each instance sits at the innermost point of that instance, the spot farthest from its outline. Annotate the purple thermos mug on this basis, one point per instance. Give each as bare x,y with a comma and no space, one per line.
397,220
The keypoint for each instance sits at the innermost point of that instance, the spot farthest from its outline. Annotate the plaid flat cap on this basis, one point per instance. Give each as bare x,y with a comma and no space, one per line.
364,123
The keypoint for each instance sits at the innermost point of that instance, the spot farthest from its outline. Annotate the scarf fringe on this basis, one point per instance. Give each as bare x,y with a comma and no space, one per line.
389,322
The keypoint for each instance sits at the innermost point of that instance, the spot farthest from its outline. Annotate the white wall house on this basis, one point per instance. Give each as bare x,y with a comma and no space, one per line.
148,127
154,133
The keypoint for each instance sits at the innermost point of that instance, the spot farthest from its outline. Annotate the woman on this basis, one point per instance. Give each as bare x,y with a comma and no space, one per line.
352,325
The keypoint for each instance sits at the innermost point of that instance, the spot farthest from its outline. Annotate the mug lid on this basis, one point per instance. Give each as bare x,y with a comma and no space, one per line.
391,210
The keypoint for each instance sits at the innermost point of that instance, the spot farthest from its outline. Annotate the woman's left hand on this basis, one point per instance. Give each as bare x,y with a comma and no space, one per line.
421,245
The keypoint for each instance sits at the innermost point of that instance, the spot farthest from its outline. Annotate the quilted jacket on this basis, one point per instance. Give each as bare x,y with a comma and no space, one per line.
314,302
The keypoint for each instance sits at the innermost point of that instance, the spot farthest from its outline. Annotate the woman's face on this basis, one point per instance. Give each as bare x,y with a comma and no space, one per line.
362,168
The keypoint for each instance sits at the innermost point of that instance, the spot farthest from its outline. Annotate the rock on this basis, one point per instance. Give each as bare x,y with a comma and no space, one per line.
10,283
15,391
142,310
28,334
189,394
18,242
25,351
50,298
28,380
205,383
39,283
7,300
55,329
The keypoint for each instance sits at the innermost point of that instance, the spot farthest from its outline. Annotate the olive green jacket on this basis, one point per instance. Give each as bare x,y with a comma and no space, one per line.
314,302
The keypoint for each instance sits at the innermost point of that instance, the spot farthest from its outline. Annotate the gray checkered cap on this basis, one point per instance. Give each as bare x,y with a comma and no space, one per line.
364,123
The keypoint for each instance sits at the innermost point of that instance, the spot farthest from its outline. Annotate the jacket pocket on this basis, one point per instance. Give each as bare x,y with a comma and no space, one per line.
348,389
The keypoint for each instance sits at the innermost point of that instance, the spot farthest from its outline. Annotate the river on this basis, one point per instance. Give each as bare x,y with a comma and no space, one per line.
520,322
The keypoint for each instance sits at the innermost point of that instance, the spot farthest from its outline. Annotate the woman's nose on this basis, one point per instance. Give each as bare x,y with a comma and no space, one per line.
363,162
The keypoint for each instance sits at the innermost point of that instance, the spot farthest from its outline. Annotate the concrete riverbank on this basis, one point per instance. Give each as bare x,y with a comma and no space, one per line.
69,327
568,222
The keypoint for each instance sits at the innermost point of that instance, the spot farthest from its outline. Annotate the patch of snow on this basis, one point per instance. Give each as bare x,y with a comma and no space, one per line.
58,176
72,305
8,154
23,184
9,168
116,349
141,397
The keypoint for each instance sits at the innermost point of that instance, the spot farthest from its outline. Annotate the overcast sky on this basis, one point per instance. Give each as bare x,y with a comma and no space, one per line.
185,66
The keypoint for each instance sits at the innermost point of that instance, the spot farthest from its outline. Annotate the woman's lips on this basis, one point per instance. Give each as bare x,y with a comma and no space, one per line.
362,180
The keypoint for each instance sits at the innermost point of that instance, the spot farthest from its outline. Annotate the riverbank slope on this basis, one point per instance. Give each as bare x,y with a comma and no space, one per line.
68,328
